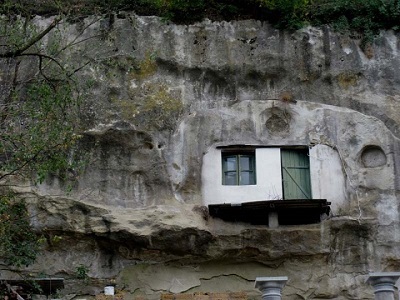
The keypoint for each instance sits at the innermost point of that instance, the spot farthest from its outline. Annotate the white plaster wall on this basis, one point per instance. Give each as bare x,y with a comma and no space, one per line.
327,176
268,172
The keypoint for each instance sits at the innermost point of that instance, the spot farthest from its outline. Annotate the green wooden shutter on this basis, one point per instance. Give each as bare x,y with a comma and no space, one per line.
296,174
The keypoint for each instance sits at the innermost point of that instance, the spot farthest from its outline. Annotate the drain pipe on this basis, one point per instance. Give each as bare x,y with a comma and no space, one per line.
271,287
383,284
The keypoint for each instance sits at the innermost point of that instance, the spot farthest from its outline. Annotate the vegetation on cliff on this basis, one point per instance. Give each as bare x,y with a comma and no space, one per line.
18,242
362,16
39,113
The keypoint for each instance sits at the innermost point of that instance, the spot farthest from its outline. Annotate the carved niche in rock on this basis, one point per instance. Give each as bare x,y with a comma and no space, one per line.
372,157
278,120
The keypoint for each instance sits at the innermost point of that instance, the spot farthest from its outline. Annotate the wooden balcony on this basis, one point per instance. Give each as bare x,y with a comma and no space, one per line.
273,212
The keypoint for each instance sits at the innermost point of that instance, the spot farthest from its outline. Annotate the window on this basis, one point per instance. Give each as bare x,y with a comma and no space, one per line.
238,168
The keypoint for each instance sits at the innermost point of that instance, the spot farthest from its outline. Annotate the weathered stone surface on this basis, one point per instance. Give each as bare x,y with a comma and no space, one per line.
162,95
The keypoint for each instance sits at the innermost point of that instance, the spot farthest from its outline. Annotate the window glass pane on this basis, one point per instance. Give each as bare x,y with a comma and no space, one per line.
230,163
252,179
230,178
245,163
247,178
244,178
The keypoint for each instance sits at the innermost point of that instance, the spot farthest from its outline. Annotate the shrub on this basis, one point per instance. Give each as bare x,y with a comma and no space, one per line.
363,16
292,14
19,244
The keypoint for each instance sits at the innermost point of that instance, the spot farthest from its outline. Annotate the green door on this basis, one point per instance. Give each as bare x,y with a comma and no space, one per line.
296,174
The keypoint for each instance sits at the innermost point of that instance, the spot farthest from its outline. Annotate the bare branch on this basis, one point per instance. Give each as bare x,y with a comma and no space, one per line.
78,69
75,42
40,55
28,161
43,74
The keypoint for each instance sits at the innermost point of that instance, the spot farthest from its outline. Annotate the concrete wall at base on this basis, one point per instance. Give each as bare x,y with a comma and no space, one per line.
327,177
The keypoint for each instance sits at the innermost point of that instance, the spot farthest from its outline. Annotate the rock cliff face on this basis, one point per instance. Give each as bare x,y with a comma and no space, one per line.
162,96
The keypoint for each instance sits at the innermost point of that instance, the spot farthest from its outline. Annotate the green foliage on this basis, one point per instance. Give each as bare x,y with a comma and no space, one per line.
19,244
29,8
39,113
158,110
290,14
38,130
181,11
81,272
145,68
362,16
38,106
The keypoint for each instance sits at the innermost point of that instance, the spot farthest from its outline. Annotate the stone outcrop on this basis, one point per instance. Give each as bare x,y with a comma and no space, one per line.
161,95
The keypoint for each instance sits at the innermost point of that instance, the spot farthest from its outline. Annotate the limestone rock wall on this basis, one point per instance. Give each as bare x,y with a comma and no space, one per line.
161,95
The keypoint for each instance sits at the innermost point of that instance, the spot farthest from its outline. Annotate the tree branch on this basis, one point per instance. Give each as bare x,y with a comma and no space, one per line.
32,41
44,56
29,160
